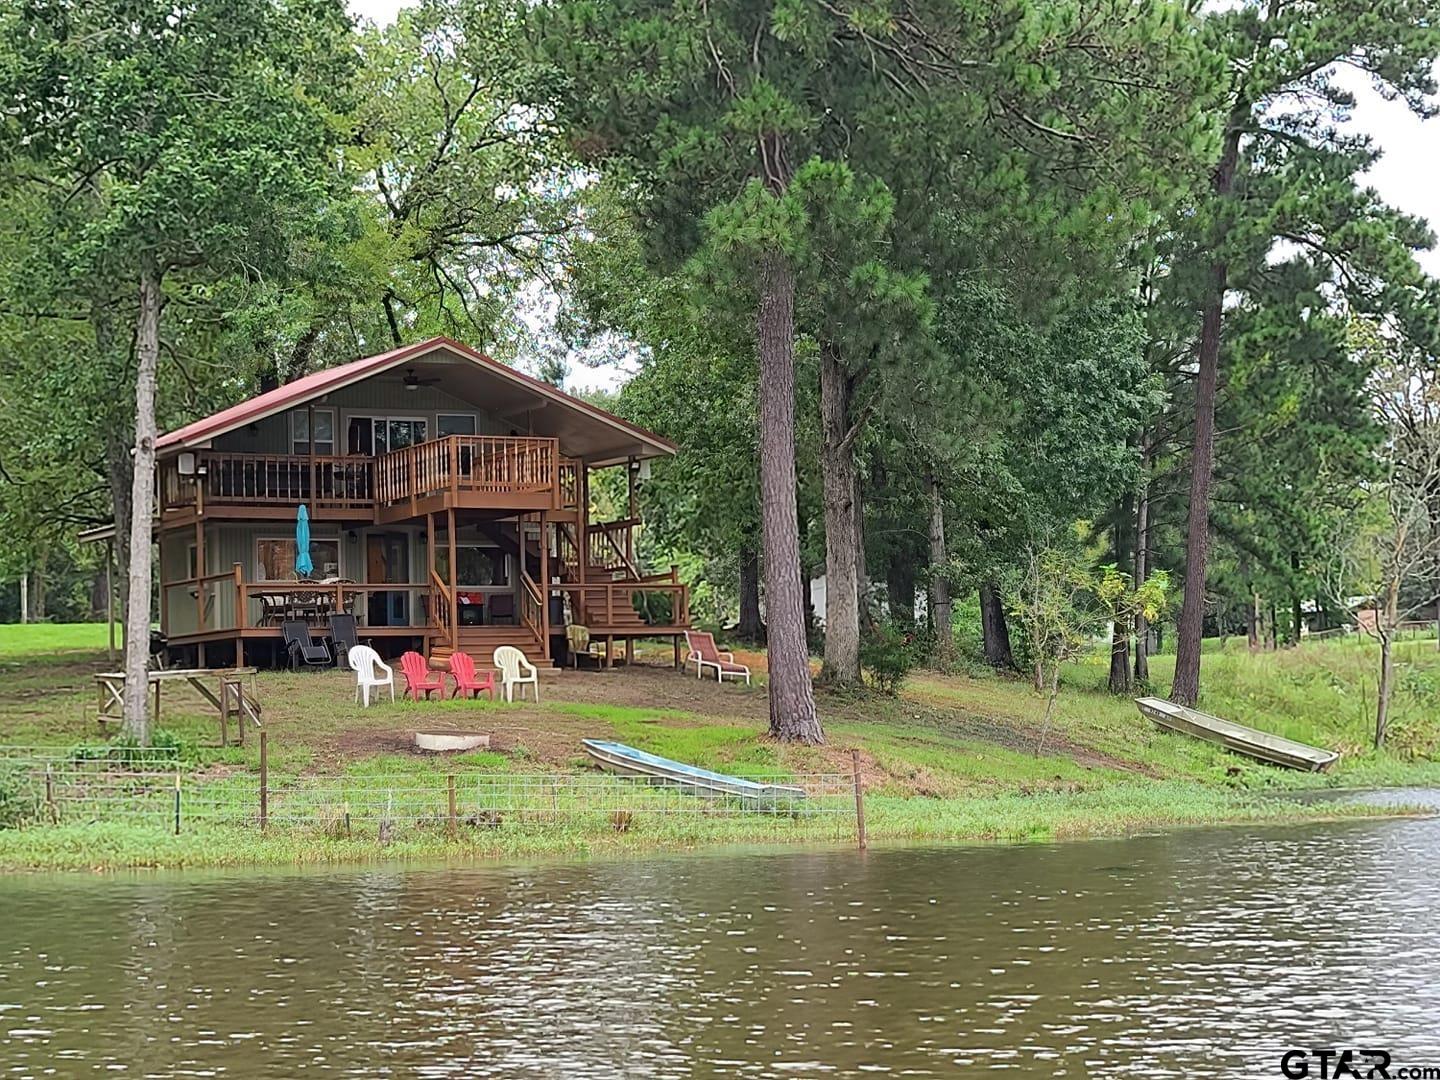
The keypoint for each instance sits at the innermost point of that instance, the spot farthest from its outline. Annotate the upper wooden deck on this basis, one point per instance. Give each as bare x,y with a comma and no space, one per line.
516,474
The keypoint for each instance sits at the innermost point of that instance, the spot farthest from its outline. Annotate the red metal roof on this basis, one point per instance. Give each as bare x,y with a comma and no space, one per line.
318,383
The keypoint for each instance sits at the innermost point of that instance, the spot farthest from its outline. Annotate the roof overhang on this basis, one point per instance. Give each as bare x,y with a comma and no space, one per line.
533,407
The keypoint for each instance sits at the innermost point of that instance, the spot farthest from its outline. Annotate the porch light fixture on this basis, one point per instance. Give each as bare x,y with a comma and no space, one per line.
645,469
185,463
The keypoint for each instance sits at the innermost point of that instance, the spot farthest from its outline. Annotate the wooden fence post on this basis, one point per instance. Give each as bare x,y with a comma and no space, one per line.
264,780
859,800
450,790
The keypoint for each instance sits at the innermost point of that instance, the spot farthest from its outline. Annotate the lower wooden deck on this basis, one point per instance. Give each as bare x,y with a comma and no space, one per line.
251,644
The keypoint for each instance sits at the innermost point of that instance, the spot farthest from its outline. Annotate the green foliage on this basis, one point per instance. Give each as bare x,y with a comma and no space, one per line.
888,653
19,801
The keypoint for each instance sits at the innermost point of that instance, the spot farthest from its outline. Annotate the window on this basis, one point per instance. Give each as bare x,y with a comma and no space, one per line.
190,564
324,431
454,424
479,566
380,434
275,557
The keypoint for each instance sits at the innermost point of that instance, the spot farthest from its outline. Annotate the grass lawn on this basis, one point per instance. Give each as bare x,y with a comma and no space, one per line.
953,757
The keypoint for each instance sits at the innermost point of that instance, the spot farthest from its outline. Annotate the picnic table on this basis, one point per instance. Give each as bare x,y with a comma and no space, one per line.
233,699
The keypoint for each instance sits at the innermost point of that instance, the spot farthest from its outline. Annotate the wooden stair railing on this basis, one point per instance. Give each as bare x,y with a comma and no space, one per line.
440,608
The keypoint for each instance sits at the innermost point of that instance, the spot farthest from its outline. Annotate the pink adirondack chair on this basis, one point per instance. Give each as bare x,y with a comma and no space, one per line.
704,654
419,679
467,682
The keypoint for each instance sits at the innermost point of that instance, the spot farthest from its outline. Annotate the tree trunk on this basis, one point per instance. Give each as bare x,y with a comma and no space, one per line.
939,584
1386,620
994,631
1274,628
1252,623
1142,564
142,508
792,699
119,469
1185,689
37,589
1382,695
1119,680
842,550
751,628
900,591
862,571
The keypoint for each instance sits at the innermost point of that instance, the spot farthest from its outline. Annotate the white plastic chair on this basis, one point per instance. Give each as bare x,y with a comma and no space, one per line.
370,671
515,671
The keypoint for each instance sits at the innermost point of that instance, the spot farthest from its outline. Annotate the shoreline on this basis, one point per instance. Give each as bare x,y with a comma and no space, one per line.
984,820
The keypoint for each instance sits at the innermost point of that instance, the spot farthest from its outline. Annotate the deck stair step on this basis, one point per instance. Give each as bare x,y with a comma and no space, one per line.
482,641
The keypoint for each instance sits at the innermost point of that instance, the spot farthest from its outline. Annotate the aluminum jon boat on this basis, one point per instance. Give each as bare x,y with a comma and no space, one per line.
1260,745
618,758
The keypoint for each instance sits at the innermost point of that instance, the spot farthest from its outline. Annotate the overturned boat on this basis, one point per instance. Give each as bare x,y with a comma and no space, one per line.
1260,745
618,758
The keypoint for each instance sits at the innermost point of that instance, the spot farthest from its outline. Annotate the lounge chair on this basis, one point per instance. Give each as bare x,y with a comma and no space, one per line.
467,682
370,673
344,636
419,679
300,647
704,654
515,671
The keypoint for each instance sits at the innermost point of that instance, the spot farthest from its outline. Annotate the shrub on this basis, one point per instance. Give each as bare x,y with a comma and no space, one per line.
887,654
19,800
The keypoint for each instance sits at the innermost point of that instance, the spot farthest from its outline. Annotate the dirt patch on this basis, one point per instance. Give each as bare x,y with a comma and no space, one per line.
662,688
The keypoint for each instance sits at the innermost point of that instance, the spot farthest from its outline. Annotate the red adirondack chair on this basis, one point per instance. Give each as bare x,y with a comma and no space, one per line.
462,671
419,678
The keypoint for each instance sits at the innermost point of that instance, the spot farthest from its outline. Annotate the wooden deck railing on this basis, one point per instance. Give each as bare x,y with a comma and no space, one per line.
476,464
230,479
469,463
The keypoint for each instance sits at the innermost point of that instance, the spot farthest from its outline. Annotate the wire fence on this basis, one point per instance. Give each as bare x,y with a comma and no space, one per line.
91,785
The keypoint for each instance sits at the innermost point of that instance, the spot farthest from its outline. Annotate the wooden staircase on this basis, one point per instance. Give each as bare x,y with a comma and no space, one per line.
482,641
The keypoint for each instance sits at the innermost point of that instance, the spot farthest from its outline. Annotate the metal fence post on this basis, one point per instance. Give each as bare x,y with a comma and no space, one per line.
177,800
264,780
859,800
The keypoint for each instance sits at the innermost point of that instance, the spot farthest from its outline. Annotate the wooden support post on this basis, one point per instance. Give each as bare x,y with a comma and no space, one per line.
450,791
242,604
310,420
224,711
264,781
454,571
199,576
675,639
582,517
110,600
433,615
860,837
629,652
631,469
157,702
609,651
544,590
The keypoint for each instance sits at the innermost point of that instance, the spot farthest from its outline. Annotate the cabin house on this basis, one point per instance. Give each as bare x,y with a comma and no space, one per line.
448,505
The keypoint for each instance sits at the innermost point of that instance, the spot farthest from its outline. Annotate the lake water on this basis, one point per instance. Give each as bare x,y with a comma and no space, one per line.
1168,955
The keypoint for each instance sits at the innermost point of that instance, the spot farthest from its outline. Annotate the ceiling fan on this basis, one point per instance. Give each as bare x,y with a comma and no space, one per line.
414,382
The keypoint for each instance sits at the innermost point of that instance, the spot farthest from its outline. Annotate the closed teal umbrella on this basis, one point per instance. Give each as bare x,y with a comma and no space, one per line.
303,566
